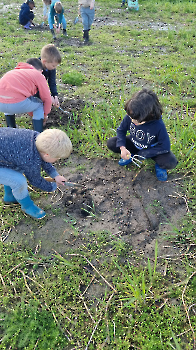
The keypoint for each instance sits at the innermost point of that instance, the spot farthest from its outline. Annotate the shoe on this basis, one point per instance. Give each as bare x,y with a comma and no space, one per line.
10,120
86,36
123,162
28,206
65,32
160,173
76,20
28,25
37,125
8,196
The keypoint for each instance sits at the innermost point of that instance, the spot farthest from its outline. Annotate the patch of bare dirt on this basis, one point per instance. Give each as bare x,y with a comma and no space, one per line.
68,113
124,202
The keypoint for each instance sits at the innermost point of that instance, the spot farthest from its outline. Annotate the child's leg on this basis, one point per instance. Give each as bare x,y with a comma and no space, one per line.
64,23
14,180
83,11
31,104
166,160
91,16
111,144
163,162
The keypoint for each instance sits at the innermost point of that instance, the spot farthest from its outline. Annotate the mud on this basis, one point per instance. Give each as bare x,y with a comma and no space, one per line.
127,203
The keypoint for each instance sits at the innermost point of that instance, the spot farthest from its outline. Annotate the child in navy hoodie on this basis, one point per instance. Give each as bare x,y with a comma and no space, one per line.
26,14
148,135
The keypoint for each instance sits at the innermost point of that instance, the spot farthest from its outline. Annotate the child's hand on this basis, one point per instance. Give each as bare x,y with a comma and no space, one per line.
60,180
45,120
55,101
92,5
125,154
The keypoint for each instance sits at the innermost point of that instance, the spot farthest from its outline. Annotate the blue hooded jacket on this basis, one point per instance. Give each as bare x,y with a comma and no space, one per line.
25,14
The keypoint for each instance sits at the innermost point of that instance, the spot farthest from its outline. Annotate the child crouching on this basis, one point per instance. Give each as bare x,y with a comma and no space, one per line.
23,153
148,135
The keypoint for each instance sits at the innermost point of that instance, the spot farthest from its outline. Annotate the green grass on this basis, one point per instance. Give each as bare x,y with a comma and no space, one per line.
146,310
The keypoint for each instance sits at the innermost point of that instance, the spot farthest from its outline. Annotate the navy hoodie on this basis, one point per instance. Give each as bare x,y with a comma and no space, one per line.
150,138
18,151
25,14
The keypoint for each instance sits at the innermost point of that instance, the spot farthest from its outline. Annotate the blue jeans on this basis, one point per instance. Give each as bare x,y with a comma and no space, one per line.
16,180
31,104
57,16
87,17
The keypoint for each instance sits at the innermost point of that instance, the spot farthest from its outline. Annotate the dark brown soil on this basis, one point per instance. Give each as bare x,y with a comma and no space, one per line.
126,203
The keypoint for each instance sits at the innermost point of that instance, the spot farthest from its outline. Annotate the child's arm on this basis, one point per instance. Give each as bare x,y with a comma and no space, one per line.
161,144
44,93
52,86
92,4
121,137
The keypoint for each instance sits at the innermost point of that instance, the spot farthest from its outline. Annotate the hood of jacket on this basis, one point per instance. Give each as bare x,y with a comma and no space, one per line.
24,65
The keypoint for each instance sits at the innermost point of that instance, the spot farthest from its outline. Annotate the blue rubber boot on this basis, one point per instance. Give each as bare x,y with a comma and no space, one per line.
160,173
8,196
38,125
10,120
28,206
123,162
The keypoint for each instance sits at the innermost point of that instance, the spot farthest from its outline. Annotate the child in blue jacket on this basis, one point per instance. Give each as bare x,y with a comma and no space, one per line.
148,135
23,153
26,14
56,12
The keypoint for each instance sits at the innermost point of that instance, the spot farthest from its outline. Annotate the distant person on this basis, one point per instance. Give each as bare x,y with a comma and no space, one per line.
46,9
18,88
26,14
132,4
23,153
123,3
87,11
148,135
56,14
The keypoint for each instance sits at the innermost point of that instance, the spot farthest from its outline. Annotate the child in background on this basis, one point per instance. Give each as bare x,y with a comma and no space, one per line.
148,136
87,11
123,3
46,9
22,155
51,58
56,12
17,93
26,14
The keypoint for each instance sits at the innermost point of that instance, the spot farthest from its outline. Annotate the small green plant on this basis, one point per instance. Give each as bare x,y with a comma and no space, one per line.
73,78
137,285
31,326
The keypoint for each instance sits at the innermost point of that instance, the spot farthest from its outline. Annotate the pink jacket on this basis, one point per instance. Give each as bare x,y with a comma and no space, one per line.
22,82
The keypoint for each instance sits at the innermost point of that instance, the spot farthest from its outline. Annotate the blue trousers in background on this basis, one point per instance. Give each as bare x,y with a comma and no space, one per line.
87,17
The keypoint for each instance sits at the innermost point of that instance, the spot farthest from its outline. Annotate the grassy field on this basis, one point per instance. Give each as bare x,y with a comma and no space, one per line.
41,299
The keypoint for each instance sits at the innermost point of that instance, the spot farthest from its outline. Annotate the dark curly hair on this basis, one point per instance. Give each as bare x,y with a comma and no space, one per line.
144,106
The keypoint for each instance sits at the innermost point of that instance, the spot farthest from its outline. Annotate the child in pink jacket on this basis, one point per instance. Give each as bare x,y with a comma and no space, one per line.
17,90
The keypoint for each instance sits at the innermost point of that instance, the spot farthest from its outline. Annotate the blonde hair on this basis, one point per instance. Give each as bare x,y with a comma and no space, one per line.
54,142
58,7
51,54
